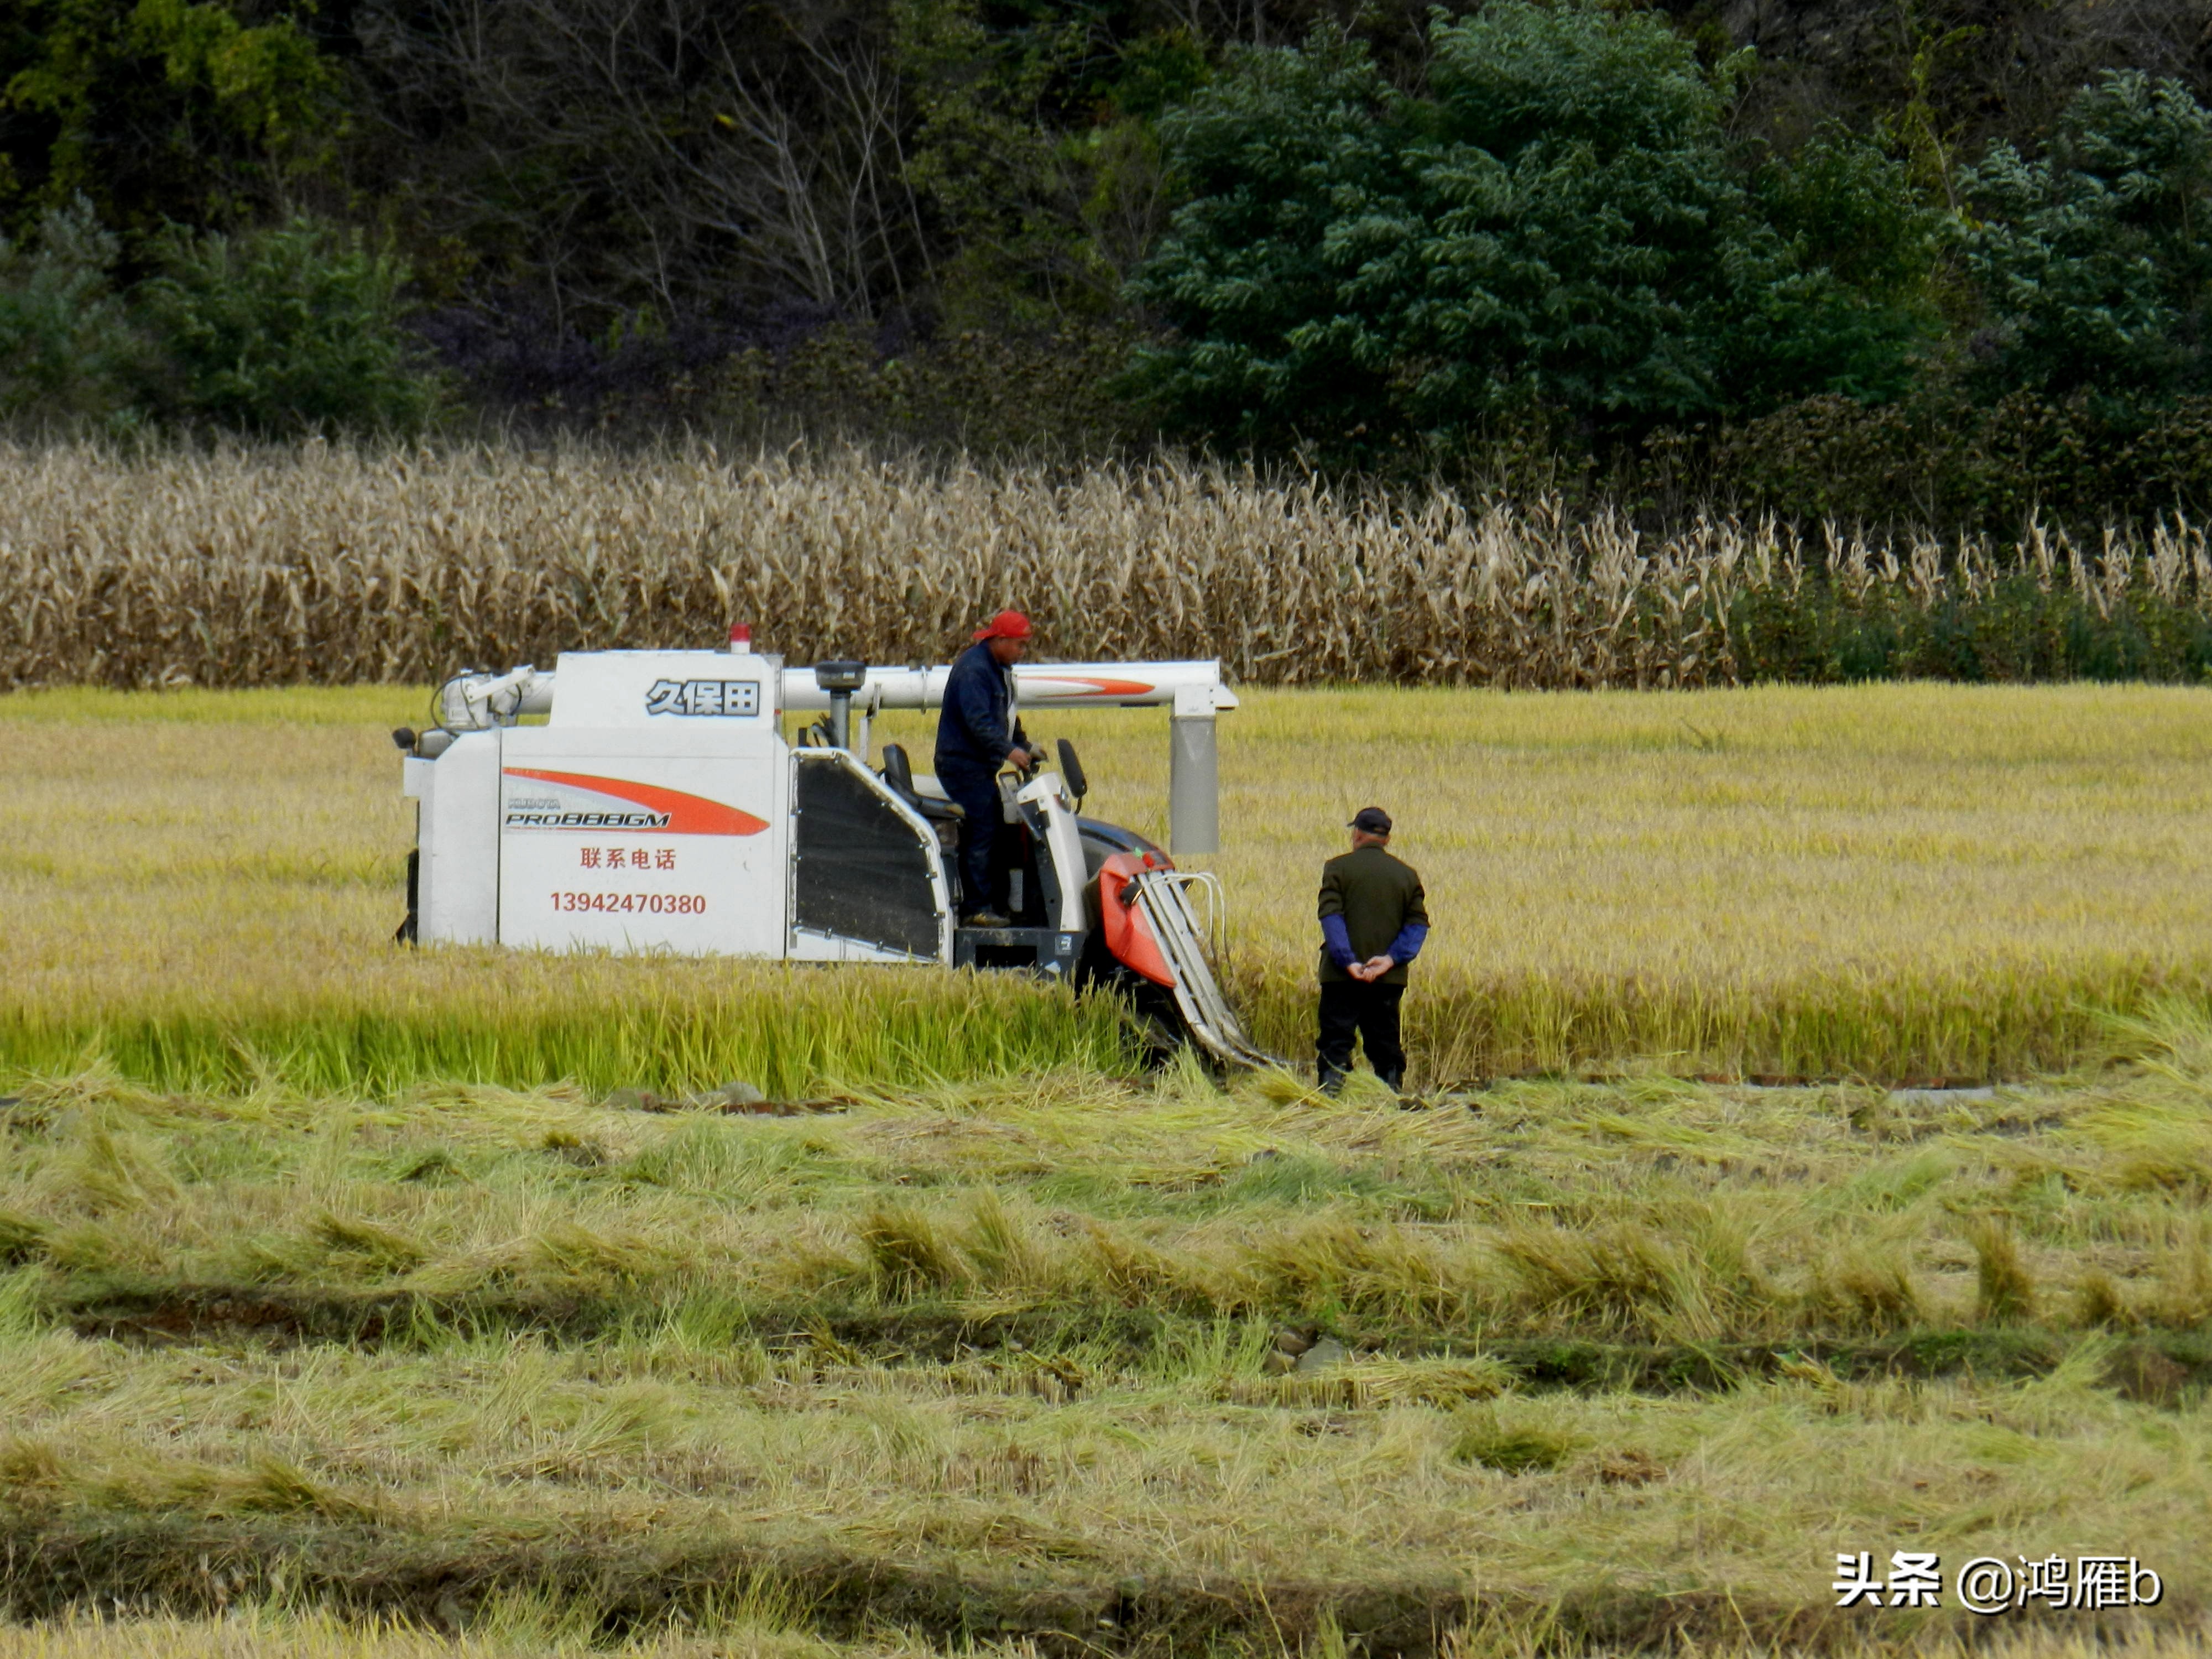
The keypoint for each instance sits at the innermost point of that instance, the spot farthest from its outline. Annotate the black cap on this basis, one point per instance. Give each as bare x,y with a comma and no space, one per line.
1373,820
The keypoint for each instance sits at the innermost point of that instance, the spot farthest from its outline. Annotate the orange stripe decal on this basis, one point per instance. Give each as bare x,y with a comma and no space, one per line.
1104,687
687,814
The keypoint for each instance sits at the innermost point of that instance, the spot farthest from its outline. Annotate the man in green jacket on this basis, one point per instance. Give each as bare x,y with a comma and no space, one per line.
1374,920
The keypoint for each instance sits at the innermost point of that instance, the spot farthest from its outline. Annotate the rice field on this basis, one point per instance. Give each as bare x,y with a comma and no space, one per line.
1024,1366
1914,883
361,1302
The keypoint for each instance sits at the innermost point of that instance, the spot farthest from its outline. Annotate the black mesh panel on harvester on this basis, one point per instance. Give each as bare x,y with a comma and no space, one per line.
862,872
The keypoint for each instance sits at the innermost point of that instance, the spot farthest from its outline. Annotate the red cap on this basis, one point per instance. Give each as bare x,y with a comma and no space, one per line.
1006,625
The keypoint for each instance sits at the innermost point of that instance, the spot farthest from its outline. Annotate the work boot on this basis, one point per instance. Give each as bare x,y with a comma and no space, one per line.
987,919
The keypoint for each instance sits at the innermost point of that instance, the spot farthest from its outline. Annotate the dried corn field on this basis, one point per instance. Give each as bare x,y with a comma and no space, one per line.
333,565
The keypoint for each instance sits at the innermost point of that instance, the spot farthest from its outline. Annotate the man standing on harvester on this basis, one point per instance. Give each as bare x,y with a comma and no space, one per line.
1374,920
976,735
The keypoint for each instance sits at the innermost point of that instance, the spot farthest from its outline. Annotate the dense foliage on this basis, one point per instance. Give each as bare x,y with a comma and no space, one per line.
2095,261
291,329
1575,242
1560,226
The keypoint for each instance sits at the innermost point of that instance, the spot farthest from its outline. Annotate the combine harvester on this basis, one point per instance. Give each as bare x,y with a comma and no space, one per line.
661,808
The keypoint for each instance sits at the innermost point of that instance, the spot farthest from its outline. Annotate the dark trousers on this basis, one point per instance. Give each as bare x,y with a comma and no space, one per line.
1349,1006
977,794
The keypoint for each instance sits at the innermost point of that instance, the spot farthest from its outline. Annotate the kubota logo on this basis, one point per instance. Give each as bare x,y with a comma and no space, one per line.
728,698
646,806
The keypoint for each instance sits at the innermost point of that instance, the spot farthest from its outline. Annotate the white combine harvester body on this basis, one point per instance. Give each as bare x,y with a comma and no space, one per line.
659,808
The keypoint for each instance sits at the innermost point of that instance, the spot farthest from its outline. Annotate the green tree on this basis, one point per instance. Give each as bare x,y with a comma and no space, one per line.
997,186
1034,156
1293,163
157,110
67,349
2095,261
1584,232
289,329
1559,225
1841,304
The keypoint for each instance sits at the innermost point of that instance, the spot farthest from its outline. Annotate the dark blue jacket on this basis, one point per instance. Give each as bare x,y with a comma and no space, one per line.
974,731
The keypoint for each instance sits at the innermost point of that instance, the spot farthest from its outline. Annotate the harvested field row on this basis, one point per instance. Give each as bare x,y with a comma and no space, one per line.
1074,1226
334,565
998,1419
620,1587
1027,1352
649,1481
525,1627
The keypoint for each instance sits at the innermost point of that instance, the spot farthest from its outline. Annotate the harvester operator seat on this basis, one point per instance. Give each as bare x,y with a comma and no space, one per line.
898,772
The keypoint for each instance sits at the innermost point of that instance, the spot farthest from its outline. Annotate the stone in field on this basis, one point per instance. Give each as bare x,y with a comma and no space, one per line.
1324,1355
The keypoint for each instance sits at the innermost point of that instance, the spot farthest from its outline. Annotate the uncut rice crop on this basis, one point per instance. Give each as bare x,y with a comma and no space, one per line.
209,901
335,565
1916,881
1901,882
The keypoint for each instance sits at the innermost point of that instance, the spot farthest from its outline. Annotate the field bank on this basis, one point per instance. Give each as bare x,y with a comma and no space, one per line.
1896,882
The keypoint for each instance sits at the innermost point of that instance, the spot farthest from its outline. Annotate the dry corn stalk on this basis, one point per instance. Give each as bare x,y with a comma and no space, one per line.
330,564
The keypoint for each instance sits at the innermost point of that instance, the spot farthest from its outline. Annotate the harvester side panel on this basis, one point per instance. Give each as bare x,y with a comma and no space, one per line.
458,881
1062,865
661,838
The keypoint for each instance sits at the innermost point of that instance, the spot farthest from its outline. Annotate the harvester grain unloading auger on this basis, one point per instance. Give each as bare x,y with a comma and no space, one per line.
659,808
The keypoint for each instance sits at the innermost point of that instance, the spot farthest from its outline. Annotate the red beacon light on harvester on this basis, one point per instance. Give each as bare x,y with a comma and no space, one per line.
660,807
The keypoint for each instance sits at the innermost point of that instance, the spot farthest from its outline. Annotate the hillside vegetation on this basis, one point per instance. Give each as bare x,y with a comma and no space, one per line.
1945,261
